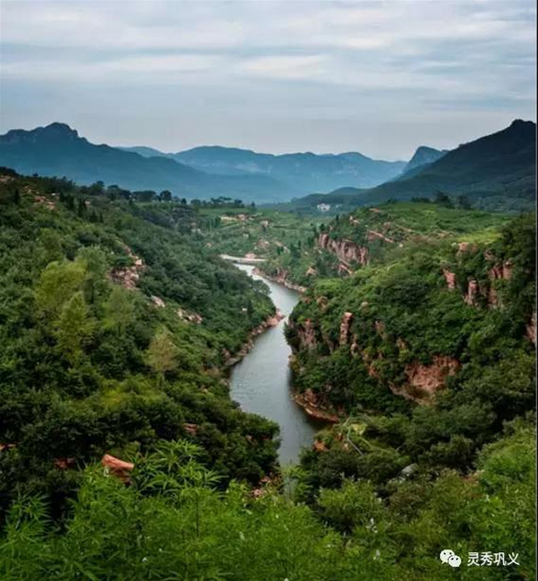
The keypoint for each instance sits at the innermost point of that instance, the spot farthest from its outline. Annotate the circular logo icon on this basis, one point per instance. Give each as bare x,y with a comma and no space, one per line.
454,561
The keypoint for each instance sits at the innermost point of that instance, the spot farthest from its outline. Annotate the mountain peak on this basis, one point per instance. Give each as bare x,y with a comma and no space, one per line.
58,130
520,123
424,155
54,132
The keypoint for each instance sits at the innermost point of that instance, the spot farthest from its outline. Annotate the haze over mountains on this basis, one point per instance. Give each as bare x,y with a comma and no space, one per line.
306,171
202,172
58,150
497,172
498,168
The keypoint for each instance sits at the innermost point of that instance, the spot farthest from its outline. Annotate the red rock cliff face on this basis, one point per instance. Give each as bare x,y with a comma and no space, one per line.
346,250
425,380
498,272
344,328
306,334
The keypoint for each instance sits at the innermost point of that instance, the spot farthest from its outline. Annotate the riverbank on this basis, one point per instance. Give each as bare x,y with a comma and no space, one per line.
270,322
309,404
280,280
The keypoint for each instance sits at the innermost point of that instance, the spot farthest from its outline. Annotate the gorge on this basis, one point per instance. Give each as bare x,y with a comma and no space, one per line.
261,381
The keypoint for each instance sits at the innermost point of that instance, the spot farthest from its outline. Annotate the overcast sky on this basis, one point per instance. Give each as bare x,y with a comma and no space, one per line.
379,77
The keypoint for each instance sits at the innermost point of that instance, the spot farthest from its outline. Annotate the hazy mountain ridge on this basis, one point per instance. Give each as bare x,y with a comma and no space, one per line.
495,171
309,171
306,171
58,150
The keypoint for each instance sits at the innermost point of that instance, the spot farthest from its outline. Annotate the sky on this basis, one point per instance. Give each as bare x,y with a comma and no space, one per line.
376,76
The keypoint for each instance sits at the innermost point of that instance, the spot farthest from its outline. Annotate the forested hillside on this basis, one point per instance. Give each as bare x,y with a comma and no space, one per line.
114,328
423,350
339,246
117,319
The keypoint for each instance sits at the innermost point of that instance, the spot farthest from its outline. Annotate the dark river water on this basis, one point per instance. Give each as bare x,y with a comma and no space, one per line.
261,382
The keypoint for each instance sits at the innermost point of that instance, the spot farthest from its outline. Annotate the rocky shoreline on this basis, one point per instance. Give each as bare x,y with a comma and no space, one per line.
272,321
280,280
314,410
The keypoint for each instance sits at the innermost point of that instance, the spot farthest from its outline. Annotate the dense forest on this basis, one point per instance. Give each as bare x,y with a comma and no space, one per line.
118,320
115,328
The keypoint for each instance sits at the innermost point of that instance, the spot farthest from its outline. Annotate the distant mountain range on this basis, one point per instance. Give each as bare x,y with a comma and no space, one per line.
306,171
58,150
497,171
203,172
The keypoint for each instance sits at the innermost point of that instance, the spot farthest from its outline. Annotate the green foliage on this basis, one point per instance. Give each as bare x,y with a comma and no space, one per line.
405,330
172,522
90,364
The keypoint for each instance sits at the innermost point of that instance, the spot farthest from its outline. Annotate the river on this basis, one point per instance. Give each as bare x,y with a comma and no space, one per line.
261,381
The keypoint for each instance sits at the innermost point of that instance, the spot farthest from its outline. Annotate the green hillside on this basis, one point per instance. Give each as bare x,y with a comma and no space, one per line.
117,320
380,233
115,332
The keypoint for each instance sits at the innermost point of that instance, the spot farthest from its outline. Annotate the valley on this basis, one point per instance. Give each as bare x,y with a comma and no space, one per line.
268,290
352,368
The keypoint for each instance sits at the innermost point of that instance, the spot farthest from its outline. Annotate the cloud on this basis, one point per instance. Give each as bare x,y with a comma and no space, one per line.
285,67
268,63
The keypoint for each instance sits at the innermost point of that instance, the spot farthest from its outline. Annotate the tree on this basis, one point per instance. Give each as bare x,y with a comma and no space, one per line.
74,327
162,354
145,195
119,310
82,208
165,196
57,284
443,199
464,203
97,189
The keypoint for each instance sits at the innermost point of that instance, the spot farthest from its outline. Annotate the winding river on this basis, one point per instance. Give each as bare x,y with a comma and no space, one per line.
261,381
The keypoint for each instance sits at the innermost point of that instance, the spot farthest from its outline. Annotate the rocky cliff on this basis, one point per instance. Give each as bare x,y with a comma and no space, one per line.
348,252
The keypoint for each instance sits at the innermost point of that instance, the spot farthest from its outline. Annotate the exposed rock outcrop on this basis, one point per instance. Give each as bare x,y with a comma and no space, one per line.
472,292
319,446
346,250
43,201
158,302
116,466
380,328
307,335
191,429
128,276
344,328
425,380
190,317
322,303
450,278
315,406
